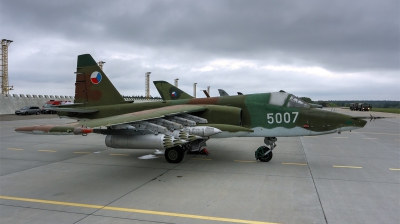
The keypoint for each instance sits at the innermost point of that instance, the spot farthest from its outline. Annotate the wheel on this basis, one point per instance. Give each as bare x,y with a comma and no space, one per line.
37,113
260,154
174,154
26,113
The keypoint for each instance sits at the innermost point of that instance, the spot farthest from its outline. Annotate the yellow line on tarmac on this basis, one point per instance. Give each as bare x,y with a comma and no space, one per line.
340,137
150,212
81,152
353,167
45,150
119,154
14,149
201,159
297,164
394,169
245,161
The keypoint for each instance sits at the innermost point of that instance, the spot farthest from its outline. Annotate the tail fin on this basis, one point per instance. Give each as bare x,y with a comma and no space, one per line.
170,92
222,92
92,87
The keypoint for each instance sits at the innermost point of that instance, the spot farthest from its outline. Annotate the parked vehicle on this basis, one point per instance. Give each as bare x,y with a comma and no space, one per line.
28,110
360,106
46,108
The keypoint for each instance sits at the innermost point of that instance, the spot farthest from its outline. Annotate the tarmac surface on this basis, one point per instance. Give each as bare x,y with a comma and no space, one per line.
353,177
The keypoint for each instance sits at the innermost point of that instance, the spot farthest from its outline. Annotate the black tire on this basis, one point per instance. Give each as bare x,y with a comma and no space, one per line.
37,113
26,113
174,154
267,157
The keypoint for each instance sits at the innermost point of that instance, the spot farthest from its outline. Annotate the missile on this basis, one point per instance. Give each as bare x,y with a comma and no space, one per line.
199,120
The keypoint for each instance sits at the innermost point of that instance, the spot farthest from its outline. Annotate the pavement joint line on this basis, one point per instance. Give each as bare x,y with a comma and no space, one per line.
353,167
201,159
245,161
297,164
376,133
81,152
116,154
394,169
14,149
131,210
46,150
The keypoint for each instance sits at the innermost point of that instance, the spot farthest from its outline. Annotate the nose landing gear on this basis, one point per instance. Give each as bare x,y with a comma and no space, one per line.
264,153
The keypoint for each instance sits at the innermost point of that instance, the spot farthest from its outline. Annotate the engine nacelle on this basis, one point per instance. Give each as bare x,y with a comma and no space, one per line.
159,141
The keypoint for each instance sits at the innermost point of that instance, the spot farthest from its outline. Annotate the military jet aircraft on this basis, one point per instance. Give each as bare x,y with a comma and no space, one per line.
181,123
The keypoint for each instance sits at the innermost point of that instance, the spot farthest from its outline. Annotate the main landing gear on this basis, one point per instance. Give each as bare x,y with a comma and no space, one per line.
264,153
174,154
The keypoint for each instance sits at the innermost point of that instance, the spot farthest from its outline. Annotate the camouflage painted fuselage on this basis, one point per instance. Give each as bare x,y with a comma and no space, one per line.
253,111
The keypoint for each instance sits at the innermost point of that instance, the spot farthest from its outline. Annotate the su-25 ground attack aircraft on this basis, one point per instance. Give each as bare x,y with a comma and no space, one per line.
181,123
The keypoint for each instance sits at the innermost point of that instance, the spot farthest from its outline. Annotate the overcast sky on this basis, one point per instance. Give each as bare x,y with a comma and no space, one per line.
325,50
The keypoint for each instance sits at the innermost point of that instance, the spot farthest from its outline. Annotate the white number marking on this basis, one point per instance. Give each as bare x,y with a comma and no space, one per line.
286,117
296,113
278,117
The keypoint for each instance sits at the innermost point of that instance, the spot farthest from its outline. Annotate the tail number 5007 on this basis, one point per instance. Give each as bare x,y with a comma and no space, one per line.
279,118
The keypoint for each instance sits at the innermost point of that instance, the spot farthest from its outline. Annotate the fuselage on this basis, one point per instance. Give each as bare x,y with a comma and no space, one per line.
267,114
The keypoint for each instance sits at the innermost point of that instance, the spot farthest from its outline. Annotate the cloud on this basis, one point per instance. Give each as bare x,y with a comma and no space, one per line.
313,48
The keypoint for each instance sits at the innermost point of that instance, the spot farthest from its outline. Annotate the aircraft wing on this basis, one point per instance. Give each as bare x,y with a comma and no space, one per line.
142,115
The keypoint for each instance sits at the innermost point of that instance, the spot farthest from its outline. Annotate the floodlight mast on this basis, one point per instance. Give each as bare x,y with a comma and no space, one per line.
194,89
147,85
5,88
176,82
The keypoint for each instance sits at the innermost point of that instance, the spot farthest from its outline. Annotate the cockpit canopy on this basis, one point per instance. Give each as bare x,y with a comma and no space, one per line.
288,100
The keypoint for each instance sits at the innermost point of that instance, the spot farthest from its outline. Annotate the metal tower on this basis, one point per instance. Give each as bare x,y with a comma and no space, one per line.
176,82
194,89
208,90
147,85
101,63
5,88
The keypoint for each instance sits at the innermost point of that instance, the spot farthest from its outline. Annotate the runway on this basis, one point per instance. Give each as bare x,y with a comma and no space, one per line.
352,177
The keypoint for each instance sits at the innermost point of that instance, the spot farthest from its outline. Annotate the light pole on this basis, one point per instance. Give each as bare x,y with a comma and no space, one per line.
194,89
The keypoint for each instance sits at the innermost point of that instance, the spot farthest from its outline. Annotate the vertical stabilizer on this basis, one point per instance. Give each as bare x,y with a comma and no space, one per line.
170,92
92,87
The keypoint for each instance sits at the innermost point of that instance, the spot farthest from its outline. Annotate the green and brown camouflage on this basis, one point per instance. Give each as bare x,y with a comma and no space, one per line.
100,108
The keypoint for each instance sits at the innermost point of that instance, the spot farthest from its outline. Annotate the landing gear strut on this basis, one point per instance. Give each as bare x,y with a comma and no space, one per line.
264,153
174,154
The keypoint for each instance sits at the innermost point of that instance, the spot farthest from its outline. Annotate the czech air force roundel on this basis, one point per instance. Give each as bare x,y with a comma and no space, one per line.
95,77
